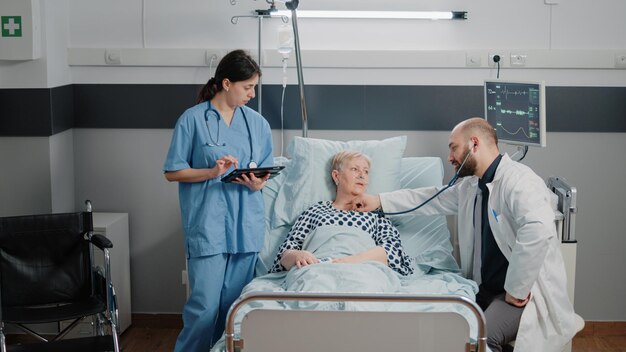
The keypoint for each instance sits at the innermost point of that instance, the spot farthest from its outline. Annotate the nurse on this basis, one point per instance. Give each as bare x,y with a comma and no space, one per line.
507,239
223,222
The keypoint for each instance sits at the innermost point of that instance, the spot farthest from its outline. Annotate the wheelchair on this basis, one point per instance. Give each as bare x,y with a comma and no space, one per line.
48,274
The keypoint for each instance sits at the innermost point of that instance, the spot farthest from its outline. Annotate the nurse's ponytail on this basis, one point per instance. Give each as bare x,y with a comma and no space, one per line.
235,66
208,91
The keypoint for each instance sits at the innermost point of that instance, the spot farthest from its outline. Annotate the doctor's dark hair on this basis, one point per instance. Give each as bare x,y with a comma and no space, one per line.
235,66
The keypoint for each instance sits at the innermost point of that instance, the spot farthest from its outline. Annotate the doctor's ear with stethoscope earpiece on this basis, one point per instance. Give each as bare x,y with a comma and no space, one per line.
215,141
472,146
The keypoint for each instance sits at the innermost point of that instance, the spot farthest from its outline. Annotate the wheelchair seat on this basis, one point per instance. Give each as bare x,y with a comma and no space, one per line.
47,274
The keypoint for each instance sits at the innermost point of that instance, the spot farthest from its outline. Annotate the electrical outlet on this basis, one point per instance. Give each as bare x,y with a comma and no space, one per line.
212,57
620,60
473,60
112,57
518,60
494,58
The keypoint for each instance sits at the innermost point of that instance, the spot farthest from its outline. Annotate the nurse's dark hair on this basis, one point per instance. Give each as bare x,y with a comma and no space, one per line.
235,66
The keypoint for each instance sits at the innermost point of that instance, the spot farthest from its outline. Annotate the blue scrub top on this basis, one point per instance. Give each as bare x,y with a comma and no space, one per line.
219,217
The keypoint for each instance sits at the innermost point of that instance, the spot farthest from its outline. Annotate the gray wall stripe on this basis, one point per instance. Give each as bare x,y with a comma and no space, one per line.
43,112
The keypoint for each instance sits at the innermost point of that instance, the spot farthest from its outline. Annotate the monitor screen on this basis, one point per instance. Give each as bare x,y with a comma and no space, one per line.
517,111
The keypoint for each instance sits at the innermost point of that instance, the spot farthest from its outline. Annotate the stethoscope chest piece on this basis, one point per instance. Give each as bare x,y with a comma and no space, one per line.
252,165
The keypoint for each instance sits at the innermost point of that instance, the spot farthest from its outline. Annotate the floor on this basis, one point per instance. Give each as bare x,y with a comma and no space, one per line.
157,333
140,339
137,339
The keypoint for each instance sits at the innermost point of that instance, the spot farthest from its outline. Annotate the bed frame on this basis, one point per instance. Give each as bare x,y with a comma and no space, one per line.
353,330
312,331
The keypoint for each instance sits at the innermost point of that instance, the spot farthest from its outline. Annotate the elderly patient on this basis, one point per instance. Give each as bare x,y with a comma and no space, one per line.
350,173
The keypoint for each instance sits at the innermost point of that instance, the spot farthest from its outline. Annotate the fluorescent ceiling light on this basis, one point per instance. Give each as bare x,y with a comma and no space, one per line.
407,15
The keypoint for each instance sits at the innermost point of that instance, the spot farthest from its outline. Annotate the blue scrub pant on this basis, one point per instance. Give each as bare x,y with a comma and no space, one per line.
216,281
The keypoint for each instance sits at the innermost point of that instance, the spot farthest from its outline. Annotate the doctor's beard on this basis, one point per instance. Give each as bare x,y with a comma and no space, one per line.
469,168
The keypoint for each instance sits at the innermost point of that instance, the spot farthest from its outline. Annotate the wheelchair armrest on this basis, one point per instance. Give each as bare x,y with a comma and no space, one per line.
101,242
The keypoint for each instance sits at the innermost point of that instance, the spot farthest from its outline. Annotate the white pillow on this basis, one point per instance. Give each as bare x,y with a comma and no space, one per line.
307,178
425,238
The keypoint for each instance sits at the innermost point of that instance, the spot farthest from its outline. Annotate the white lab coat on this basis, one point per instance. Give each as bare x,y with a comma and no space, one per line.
522,222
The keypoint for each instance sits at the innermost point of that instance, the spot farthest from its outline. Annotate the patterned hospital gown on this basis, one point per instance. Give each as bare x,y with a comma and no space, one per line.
382,231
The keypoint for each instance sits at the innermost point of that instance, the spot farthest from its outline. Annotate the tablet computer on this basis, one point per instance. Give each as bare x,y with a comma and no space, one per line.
258,172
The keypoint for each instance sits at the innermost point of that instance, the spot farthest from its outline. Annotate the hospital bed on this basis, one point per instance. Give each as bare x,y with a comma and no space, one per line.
432,309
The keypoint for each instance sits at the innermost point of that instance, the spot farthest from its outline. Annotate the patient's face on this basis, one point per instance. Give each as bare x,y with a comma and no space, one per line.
353,177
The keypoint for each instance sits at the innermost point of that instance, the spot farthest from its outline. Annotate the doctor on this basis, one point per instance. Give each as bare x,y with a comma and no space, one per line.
223,222
507,239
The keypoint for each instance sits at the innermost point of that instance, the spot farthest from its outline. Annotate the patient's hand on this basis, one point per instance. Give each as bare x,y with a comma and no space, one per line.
376,253
298,258
367,202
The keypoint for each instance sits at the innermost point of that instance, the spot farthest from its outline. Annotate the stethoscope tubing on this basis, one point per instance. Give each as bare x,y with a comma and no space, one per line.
450,184
252,164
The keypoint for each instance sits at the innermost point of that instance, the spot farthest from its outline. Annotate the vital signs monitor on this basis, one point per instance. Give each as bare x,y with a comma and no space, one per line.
517,111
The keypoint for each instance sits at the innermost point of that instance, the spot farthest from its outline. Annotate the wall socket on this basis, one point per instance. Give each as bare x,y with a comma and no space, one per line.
620,60
473,60
112,57
492,59
518,60
212,57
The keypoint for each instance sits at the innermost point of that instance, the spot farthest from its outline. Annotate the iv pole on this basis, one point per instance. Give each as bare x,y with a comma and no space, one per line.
293,6
260,14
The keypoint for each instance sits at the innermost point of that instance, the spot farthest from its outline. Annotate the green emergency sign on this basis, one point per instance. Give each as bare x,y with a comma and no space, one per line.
11,26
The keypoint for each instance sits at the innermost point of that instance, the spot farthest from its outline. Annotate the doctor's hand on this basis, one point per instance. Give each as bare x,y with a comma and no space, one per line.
223,164
516,301
366,202
252,182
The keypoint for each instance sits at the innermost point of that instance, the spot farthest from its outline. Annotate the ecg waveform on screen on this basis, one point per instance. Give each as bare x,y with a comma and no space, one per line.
506,92
514,109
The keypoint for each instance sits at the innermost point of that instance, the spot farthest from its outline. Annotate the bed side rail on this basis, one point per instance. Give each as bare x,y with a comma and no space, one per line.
231,343
566,205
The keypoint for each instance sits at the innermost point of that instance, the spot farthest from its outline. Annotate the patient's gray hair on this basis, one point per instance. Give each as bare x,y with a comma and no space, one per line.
340,159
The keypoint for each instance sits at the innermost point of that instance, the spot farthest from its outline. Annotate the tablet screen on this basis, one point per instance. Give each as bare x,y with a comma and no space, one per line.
258,172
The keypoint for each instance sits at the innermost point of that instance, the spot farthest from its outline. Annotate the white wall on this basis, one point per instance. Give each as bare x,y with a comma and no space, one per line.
120,170
498,26
62,172
25,178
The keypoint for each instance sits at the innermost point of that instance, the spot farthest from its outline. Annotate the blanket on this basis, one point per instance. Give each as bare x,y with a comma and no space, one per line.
333,242
366,277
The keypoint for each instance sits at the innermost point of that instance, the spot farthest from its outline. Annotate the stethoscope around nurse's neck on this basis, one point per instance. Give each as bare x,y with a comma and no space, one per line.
215,142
